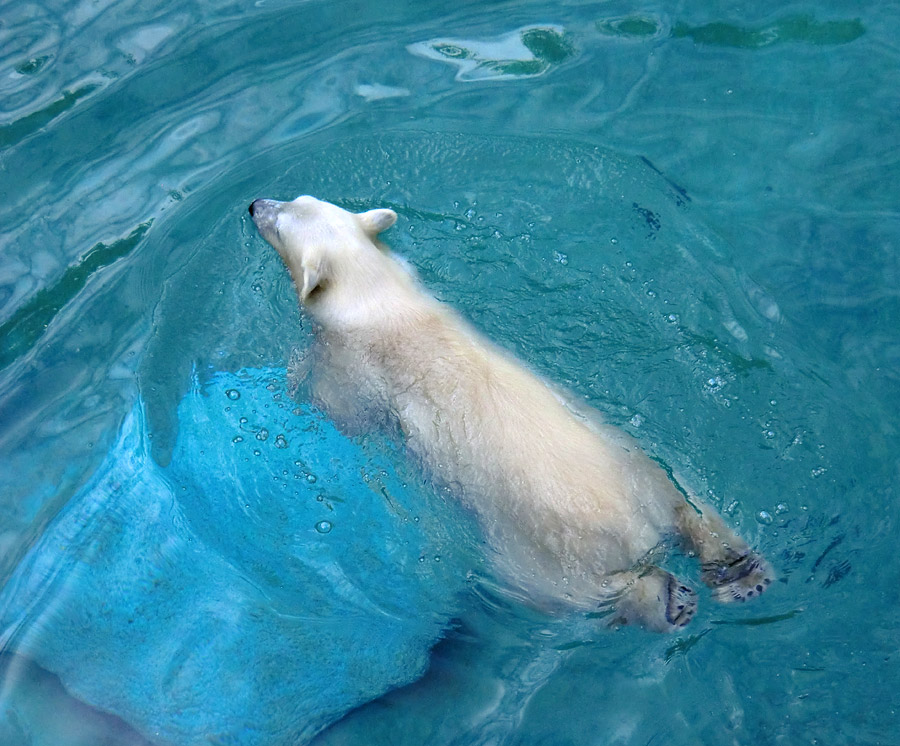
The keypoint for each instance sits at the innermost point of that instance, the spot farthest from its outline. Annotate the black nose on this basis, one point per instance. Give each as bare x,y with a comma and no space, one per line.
252,207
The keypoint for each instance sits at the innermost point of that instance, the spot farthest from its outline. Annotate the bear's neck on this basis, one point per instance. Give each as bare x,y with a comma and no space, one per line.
379,293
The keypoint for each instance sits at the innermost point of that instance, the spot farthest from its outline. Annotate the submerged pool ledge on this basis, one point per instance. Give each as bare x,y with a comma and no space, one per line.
209,600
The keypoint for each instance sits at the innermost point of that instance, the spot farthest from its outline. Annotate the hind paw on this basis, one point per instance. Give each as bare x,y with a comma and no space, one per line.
681,604
655,600
740,578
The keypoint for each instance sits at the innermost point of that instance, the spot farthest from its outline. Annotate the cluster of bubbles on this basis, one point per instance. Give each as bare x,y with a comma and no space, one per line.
280,441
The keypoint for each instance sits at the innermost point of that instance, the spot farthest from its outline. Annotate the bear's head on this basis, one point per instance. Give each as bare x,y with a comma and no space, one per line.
323,245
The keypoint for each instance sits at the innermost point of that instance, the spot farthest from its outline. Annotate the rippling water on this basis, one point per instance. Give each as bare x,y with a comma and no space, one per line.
687,215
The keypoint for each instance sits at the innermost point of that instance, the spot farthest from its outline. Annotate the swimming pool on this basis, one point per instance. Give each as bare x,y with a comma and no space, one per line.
686,215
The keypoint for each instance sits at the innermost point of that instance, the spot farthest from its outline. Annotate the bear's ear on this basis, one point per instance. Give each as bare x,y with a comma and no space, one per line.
313,275
375,221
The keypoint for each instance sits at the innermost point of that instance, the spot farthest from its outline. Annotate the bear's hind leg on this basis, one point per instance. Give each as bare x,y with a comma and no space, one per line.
730,567
653,599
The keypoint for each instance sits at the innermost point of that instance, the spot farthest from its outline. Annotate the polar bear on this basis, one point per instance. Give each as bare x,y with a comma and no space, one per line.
571,508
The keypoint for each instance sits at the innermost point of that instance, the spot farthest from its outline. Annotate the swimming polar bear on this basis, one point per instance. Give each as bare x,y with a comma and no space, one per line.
571,507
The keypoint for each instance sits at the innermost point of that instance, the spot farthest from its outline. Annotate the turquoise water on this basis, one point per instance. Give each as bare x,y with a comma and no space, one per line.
685,213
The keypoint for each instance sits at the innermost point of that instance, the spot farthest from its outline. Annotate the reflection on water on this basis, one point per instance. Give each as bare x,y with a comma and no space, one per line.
25,327
793,28
522,53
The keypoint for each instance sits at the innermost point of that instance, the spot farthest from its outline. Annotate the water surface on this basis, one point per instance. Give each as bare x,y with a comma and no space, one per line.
687,215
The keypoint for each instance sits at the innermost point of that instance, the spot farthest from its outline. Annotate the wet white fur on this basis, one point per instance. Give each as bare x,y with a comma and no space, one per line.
571,507
564,500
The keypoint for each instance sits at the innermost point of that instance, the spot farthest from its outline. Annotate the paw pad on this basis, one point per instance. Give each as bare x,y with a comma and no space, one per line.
681,604
740,579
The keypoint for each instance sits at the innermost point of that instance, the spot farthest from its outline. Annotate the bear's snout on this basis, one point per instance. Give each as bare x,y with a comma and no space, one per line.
264,209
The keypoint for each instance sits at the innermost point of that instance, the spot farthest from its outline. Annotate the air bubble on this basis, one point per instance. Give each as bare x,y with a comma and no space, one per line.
715,383
280,441
263,434
764,517
237,439
233,394
323,527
